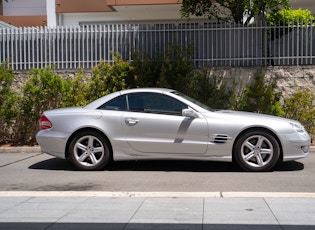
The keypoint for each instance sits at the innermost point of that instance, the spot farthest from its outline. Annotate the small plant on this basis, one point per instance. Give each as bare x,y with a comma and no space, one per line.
261,96
300,107
236,94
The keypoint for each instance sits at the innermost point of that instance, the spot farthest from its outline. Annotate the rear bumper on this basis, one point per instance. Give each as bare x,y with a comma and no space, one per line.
52,143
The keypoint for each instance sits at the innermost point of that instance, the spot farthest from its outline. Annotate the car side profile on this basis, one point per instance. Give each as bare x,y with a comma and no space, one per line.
157,123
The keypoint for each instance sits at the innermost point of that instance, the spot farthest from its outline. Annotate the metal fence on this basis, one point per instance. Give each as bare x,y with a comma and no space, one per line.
214,44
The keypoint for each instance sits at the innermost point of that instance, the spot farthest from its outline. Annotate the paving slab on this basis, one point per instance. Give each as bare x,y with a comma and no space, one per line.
102,212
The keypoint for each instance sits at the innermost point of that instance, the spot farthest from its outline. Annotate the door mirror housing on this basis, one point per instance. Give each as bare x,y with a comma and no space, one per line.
189,113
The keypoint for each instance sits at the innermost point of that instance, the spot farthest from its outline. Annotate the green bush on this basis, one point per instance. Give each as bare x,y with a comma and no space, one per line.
108,78
261,97
210,90
145,71
43,91
236,95
8,103
175,67
76,90
169,69
290,17
287,17
300,107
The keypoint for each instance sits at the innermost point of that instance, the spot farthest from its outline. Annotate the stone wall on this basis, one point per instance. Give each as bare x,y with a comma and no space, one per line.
290,78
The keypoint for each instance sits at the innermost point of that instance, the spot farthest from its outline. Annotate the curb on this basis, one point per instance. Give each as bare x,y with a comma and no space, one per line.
33,149
155,194
37,149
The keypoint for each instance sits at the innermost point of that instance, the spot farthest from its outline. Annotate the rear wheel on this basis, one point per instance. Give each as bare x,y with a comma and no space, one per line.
257,151
90,150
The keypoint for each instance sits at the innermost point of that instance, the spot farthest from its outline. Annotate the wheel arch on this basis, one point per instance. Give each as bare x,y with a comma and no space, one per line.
257,129
82,130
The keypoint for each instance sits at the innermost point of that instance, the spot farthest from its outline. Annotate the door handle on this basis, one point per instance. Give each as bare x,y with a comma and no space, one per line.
131,121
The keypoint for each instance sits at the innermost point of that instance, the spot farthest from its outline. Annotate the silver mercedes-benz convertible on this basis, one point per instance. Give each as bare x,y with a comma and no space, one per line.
153,123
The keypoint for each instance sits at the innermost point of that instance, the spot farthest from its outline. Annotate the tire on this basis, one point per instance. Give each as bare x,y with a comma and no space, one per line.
90,150
257,151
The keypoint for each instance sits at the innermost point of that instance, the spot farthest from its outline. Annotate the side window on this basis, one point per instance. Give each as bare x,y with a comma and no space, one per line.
118,103
135,102
155,103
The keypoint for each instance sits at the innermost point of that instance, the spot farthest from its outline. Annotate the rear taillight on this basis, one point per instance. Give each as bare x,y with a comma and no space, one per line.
44,123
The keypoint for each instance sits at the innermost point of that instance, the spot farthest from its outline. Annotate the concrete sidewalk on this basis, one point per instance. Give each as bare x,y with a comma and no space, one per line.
58,210
154,210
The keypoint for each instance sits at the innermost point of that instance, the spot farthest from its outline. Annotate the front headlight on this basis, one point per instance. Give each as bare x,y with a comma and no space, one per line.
297,127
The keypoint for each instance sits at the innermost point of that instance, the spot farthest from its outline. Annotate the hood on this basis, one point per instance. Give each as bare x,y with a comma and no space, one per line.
248,114
251,115
244,120
249,119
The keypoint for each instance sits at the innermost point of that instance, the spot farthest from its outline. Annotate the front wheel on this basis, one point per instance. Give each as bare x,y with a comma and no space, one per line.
257,151
89,150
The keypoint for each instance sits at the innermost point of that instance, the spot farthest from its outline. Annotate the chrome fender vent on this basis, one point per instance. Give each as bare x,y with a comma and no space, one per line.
219,138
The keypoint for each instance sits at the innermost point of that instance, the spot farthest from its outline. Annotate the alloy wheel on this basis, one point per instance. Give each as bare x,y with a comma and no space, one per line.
89,151
257,151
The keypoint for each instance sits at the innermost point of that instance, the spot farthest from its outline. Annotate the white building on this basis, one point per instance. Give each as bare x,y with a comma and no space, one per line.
80,12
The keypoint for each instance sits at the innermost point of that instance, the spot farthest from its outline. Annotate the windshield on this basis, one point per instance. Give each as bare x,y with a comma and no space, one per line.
193,100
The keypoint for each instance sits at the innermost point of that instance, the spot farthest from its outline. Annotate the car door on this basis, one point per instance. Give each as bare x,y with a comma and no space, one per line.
154,124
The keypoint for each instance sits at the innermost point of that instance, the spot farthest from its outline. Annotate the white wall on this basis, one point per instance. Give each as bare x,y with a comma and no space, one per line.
125,14
303,4
24,7
51,13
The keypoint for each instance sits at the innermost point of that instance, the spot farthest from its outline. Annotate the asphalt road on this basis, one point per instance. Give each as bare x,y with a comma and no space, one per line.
41,172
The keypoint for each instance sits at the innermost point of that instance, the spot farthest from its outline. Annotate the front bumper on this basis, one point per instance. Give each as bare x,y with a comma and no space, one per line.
295,146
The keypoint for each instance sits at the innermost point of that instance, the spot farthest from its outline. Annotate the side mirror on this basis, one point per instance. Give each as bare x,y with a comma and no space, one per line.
189,113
